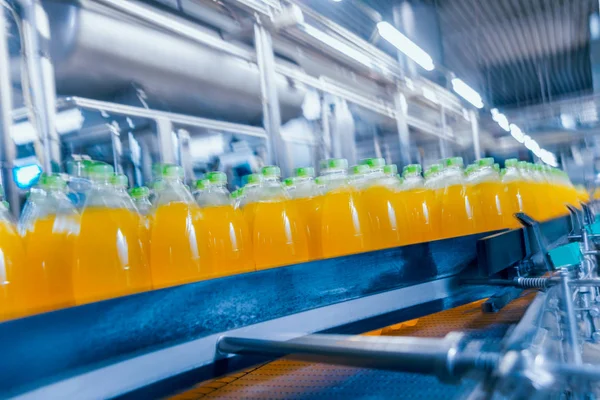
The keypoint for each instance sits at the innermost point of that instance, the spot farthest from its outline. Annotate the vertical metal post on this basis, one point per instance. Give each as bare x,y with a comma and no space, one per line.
117,148
270,100
571,320
403,130
475,131
325,128
7,145
185,156
40,73
443,146
164,129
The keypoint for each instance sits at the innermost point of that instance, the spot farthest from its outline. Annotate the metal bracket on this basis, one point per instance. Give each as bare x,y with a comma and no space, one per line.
532,227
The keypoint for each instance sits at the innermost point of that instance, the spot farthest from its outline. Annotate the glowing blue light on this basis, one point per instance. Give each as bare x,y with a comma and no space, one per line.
26,175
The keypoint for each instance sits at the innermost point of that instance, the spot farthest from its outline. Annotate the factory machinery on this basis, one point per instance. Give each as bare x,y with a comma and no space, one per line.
244,69
160,343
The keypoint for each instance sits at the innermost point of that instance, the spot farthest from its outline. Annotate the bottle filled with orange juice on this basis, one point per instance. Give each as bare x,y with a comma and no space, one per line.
141,198
388,217
518,188
12,260
457,216
278,234
494,203
344,222
423,221
178,246
227,233
109,257
306,196
49,225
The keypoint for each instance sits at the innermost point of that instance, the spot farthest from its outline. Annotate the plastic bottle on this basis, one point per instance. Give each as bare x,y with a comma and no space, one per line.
236,198
178,248
344,222
109,256
201,192
494,203
423,221
307,199
250,197
79,183
278,235
457,217
49,225
12,260
227,233
520,195
141,198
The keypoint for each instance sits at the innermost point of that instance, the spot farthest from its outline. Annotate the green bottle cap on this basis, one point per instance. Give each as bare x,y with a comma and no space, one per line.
251,179
291,181
412,169
236,194
485,162
100,171
334,163
52,181
373,162
271,171
523,164
119,180
217,177
511,162
359,169
172,171
434,169
202,184
453,162
304,172
470,169
390,169
496,167
319,180
139,192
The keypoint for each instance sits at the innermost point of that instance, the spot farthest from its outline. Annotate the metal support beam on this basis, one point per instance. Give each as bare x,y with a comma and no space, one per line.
475,132
403,130
442,140
117,148
40,78
270,99
164,131
7,146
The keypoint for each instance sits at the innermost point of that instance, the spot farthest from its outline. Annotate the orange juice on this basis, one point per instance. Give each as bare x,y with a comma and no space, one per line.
305,196
226,231
423,220
108,255
434,187
12,259
278,235
344,222
458,217
492,196
49,224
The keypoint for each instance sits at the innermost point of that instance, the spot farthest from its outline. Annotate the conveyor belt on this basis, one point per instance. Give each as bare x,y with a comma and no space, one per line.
287,379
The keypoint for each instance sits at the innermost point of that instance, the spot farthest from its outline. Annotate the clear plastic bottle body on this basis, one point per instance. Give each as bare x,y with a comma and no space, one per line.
109,255
307,199
344,221
178,247
278,234
226,231
12,259
457,215
495,208
49,226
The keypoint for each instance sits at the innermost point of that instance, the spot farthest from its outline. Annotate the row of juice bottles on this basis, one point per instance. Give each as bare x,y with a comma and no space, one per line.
120,243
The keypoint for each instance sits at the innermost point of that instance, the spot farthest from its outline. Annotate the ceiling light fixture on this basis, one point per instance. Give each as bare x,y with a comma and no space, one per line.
467,92
405,45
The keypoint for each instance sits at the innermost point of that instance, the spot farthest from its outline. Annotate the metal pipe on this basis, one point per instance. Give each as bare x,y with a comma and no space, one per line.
571,320
442,140
122,109
277,151
8,150
164,131
438,357
475,132
402,126
117,148
40,79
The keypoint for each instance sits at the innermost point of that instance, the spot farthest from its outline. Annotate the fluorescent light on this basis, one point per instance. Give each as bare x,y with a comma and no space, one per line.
430,95
568,121
548,157
501,120
338,45
467,92
65,122
531,145
516,132
405,45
